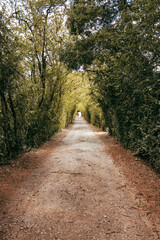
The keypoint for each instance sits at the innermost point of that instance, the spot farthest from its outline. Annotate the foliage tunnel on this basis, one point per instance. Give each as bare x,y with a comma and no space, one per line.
101,57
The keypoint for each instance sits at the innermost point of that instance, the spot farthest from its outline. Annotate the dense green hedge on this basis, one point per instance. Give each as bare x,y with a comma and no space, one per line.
35,128
93,114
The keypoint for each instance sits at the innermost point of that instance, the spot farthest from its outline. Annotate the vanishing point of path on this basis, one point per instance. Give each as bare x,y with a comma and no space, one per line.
75,193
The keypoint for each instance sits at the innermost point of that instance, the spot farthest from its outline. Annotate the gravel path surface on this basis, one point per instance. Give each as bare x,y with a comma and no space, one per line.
77,192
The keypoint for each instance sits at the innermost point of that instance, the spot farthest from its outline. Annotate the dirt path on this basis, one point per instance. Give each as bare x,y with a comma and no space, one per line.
73,191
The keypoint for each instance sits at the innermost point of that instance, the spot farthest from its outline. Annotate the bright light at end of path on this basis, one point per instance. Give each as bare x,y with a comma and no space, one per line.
79,114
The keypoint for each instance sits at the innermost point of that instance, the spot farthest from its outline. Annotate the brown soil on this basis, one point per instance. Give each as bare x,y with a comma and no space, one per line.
81,185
